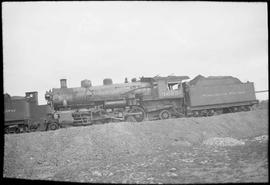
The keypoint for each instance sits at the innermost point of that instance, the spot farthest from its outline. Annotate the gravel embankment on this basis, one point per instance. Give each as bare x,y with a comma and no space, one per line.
62,154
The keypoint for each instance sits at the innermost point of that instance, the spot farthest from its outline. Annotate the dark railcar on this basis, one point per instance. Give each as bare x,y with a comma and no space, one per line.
23,114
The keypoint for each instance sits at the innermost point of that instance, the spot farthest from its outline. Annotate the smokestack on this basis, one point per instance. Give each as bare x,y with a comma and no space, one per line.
63,83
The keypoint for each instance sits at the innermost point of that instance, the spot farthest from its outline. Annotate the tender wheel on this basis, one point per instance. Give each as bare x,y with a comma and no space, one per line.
7,130
99,122
210,112
139,117
165,114
17,130
247,108
32,128
131,119
217,112
195,113
53,126
25,128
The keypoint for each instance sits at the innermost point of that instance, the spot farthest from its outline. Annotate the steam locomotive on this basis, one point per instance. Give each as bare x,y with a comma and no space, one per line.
149,98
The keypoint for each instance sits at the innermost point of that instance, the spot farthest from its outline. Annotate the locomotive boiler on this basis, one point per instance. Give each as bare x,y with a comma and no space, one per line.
108,94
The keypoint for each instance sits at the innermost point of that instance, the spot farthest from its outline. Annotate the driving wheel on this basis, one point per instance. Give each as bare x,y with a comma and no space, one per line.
141,114
53,126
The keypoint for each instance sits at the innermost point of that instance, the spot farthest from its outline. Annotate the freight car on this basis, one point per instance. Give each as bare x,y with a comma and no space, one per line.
149,98
23,114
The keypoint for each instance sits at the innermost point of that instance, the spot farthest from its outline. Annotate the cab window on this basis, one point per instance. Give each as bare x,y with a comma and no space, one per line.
174,86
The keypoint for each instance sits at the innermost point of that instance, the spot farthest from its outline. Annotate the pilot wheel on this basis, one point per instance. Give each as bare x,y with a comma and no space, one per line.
7,130
165,114
130,119
53,126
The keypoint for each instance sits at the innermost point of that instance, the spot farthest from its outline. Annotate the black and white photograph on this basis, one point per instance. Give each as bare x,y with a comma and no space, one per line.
135,92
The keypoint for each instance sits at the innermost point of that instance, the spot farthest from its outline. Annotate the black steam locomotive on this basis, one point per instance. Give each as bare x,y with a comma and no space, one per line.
146,99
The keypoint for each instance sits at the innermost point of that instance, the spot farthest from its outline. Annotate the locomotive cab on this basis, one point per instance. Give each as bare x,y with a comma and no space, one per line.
32,97
167,98
170,87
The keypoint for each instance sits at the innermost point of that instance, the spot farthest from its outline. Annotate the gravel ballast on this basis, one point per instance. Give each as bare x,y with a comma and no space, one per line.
79,153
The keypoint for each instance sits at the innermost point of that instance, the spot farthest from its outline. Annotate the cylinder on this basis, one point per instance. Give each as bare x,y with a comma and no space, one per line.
107,81
63,83
86,83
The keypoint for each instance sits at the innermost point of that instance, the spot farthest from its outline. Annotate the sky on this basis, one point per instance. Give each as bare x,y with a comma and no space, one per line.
46,41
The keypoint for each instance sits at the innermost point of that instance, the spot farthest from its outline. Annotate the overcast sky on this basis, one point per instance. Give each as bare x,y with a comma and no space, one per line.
46,41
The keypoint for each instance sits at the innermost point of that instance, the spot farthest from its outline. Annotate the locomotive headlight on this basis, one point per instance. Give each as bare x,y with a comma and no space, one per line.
56,116
120,114
47,97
